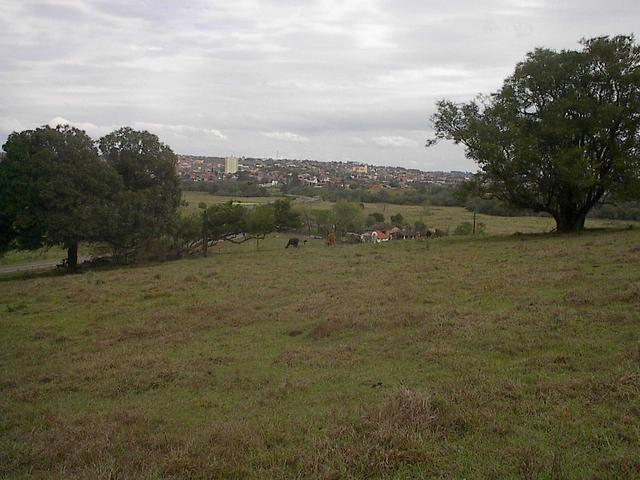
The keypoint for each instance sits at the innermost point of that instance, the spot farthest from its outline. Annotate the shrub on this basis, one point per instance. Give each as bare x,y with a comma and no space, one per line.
466,228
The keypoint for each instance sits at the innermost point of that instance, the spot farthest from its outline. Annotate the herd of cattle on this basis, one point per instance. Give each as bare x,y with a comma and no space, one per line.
375,236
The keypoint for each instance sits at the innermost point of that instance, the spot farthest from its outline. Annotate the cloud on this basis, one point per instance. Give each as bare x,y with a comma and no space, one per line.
92,129
182,130
286,136
10,125
216,77
394,141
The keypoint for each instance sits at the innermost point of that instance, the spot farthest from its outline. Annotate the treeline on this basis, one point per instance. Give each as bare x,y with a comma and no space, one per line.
419,194
60,187
227,187
436,195
493,206
233,223
618,211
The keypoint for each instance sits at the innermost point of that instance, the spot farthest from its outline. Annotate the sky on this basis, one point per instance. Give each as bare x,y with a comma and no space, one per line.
332,80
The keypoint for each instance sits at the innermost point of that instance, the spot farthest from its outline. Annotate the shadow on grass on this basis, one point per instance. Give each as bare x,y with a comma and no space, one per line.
589,232
32,274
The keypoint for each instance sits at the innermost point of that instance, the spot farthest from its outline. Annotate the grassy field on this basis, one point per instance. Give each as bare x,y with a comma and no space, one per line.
193,199
445,218
494,357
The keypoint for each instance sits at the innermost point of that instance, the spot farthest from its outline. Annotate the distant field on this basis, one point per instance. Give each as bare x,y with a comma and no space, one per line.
499,357
195,198
446,218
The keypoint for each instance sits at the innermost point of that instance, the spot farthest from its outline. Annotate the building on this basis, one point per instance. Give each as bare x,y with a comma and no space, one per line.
362,169
230,165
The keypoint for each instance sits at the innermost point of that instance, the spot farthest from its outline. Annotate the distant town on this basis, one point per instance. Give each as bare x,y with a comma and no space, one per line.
269,172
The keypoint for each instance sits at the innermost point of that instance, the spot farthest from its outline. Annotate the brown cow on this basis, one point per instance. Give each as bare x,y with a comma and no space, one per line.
331,239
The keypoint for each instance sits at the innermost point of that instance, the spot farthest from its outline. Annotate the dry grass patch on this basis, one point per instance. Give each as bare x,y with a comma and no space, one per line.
405,430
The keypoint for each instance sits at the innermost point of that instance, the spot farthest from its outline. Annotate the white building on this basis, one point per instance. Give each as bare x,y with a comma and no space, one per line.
230,165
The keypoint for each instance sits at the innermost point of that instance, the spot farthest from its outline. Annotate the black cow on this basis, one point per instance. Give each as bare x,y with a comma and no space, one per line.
293,242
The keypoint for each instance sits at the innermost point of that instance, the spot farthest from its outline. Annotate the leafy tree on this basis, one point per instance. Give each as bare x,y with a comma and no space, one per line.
466,228
54,190
325,220
397,219
147,206
258,222
187,229
420,227
223,221
348,217
285,216
561,135
236,224
374,218
306,217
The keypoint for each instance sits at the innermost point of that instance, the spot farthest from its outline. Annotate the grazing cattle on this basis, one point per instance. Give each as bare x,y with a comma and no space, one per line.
293,242
331,239
435,232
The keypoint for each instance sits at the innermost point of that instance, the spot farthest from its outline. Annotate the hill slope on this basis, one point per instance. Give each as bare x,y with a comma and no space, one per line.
499,357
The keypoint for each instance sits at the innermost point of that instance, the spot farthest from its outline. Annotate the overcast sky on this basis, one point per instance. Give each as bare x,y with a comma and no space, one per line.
319,79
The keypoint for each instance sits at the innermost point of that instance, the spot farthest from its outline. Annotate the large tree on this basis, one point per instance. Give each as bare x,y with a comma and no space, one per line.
561,135
54,190
348,217
234,223
259,221
147,206
285,216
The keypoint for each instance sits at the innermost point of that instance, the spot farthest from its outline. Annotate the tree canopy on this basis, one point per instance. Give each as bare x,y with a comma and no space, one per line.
57,188
348,217
147,205
54,190
285,216
561,135
259,221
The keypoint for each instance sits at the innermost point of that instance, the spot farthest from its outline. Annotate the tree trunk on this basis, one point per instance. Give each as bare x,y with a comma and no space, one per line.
72,256
568,221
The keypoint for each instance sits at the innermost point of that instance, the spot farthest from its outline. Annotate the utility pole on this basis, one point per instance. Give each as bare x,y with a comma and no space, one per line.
205,236
474,219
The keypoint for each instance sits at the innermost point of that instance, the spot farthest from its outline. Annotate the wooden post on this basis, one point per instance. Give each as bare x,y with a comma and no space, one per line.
474,220
205,236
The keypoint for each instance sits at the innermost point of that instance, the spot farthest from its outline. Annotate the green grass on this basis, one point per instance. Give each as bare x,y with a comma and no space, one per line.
494,357
445,218
193,199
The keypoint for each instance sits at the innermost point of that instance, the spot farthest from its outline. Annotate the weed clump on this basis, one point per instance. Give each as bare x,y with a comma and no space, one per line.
406,429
